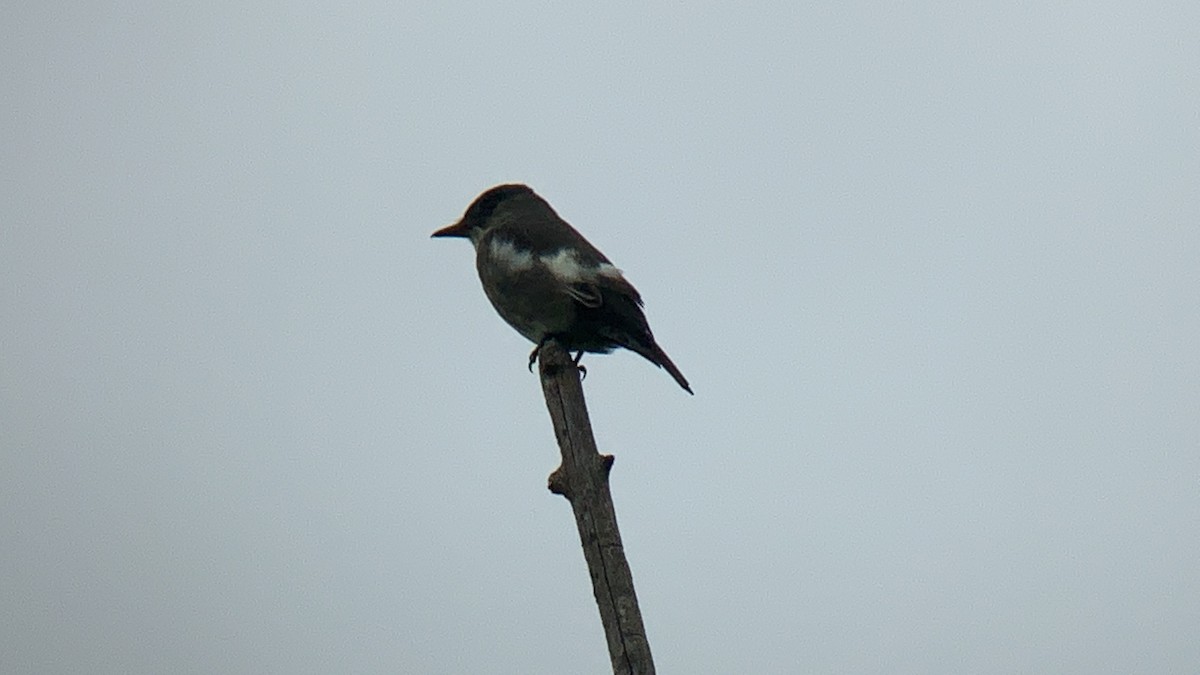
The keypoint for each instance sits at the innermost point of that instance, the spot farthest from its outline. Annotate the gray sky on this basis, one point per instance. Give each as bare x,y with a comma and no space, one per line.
933,271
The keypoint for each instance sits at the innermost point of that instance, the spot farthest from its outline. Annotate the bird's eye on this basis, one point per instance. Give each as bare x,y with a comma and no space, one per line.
486,206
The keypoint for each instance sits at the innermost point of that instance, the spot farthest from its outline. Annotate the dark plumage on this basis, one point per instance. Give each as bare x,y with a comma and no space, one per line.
548,282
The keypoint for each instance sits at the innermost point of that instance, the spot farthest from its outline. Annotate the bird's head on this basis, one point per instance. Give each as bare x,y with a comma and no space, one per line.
488,210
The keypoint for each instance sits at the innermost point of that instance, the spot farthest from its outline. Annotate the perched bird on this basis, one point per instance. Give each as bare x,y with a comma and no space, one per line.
550,283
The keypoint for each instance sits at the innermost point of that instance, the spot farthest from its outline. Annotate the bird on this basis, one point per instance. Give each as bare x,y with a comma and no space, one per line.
550,283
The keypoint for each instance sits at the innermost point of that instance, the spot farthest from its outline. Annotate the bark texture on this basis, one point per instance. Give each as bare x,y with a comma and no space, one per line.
583,479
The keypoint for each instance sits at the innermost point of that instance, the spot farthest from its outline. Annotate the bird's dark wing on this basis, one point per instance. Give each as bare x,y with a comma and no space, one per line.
611,307
604,289
585,293
615,283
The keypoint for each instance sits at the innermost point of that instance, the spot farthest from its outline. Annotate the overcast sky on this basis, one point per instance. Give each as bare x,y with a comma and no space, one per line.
932,269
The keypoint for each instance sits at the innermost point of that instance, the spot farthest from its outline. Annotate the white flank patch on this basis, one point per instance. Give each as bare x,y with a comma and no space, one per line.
565,265
610,271
510,256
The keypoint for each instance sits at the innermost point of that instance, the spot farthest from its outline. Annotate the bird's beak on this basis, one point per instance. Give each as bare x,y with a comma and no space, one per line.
458,229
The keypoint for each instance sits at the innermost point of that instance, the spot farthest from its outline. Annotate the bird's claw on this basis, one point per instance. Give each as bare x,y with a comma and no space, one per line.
533,357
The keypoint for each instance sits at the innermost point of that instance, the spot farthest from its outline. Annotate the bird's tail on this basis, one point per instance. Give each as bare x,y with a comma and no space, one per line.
654,354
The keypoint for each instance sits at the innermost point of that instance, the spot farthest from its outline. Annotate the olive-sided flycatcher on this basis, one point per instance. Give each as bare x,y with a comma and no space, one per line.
550,283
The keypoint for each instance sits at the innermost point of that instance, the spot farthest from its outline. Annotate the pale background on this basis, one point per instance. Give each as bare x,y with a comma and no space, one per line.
933,270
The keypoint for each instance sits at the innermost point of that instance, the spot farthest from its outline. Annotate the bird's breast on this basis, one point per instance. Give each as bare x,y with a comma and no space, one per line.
526,292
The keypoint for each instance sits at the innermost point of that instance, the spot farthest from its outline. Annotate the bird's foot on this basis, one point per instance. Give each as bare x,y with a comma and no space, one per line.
533,355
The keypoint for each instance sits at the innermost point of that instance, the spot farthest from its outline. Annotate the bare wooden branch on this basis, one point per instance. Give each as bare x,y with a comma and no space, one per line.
583,480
